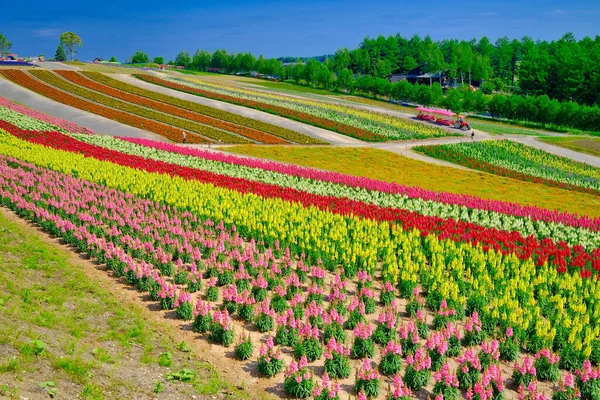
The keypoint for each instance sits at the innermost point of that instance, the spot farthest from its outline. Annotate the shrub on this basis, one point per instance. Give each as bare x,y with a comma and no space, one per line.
244,348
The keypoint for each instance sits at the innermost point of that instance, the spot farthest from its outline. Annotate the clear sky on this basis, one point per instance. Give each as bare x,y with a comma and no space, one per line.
278,28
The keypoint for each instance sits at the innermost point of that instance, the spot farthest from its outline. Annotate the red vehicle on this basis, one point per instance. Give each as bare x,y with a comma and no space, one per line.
462,124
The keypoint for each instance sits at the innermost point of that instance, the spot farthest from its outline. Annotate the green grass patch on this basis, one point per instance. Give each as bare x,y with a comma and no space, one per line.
582,144
500,128
192,72
54,317
290,87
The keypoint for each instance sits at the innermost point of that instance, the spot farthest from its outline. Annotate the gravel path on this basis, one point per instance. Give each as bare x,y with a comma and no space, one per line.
318,133
98,124
560,151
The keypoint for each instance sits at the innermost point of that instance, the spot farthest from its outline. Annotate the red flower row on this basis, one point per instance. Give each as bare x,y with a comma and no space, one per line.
560,253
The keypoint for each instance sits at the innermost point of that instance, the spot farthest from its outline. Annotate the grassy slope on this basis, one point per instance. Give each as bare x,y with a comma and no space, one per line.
582,144
386,166
291,88
97,345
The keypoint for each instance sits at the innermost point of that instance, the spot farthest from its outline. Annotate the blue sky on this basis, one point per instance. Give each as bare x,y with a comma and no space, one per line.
279,28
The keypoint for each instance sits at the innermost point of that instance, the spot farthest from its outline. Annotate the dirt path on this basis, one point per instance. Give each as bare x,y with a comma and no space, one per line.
222,359
560,151
98,124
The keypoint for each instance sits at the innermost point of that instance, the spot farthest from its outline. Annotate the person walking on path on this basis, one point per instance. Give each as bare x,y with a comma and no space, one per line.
472,135
184,136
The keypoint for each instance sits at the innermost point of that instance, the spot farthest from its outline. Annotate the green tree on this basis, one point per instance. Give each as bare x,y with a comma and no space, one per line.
488,87
158,60
113,59
219,59
60,54
248,62
423,95
383,68
70,41
497,105
403,90
201,60
325,77
366,84
341,60
183,59
437,94
5,45
533,71
345,80
297,73
409,64
311,71
139,57
454,100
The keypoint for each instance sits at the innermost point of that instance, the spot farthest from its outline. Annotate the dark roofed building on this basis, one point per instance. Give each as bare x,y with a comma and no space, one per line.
417,75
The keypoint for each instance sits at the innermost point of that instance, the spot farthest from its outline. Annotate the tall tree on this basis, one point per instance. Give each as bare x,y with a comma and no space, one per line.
139,57
248,62
158,60
60,54
183,59
201,60
5,45
70,41
341,60
345,80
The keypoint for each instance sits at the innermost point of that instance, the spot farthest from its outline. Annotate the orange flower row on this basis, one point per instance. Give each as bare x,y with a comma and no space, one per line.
253,134
187,125
272,109
169,132
266,127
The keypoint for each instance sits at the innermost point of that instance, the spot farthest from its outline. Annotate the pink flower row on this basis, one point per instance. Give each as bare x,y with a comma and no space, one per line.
61,123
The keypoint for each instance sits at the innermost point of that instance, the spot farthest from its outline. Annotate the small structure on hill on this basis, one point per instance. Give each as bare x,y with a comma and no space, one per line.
417,75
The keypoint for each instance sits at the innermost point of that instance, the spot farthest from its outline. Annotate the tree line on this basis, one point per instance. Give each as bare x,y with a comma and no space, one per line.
564,69
556,75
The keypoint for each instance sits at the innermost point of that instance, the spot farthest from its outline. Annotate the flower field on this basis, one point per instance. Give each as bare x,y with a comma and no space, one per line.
516,160
390,168
111,101
167,131
274,130
349,121
538,224
253,134
326,284
53,122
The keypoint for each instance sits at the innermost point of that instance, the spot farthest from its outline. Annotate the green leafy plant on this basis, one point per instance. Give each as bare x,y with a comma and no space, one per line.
244,348
50,387
165,359
184,375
